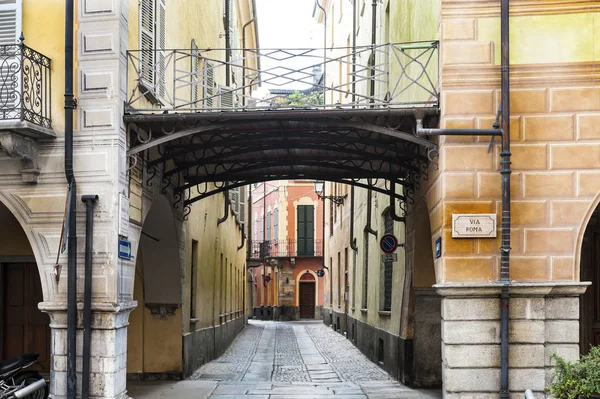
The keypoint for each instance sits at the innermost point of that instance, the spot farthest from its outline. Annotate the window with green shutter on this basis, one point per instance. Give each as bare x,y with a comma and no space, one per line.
305,233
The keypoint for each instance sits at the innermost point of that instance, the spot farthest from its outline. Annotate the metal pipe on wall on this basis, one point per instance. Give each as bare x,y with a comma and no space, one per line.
352,239
368,227
90,202
70,105
505,173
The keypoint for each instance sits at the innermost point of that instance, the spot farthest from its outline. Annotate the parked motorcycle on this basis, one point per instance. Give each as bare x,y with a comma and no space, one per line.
18,383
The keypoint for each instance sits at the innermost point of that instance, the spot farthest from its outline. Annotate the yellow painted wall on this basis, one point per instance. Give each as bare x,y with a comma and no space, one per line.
49,39
13,241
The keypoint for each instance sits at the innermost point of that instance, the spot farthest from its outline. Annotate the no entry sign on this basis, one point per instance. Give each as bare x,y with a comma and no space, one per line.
388,243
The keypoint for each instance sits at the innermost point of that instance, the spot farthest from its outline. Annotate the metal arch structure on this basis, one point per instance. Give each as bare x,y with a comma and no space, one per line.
199,155
203,138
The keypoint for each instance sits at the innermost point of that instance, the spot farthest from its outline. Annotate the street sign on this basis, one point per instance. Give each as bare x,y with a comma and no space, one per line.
123,215
438,247
388,243
478,225
124,249
389,257
320,273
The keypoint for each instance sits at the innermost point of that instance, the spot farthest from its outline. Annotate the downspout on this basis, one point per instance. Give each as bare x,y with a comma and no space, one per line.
244,49
352,239
394,216
70,104
90,202
226,211
323,227
354,13
505,173
227,43
368,228
324,54
373,43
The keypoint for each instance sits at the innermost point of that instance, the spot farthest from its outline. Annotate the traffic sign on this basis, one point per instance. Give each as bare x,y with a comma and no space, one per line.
388,243
389,257
320,273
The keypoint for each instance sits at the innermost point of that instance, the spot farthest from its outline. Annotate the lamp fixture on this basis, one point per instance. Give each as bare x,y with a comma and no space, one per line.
319,190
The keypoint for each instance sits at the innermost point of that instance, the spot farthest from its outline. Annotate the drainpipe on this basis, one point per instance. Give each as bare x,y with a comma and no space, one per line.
324,50
226,215
505,172
227,23
70,105
373,43
90,202
253,20
394,216
354,13
368,228
352,239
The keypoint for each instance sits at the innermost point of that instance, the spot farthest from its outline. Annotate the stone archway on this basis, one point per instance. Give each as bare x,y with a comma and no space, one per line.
24,328
421,307
589,270
154,344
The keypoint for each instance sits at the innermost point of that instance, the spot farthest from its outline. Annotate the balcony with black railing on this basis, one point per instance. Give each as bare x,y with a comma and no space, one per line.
261,250
25,86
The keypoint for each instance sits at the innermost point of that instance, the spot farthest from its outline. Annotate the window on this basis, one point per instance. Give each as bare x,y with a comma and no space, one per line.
269,225
255,229
10,30
306,230
153,42
262,225
386,270
276,225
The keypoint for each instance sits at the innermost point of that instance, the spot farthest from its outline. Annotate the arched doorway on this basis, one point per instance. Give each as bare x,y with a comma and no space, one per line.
307,296
590,271
154,336
23,327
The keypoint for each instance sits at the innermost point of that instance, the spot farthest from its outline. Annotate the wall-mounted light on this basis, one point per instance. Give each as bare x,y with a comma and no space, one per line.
319,189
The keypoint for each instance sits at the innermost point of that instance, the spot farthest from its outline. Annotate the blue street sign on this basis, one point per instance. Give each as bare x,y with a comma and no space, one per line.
124,249
388,243
438,247
320,273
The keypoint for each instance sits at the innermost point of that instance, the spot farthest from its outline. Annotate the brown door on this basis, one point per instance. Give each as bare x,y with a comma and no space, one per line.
590,271
307,300
25,329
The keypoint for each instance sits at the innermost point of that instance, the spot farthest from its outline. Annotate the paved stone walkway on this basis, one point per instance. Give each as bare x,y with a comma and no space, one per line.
272,360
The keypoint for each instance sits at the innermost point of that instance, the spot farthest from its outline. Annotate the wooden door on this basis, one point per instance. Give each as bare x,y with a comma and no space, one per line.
25,329
307,300
590,271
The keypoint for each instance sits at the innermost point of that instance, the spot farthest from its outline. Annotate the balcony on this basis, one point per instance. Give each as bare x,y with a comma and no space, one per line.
261,250
393,75
25,105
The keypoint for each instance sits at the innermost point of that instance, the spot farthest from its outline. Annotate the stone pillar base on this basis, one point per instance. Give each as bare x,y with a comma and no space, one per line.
544,319
108,361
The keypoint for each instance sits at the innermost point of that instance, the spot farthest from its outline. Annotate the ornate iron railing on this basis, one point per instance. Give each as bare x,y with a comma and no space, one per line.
25,85
260,250
197,80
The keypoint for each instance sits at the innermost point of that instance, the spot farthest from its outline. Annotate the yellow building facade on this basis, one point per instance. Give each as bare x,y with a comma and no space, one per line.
447,306
185,280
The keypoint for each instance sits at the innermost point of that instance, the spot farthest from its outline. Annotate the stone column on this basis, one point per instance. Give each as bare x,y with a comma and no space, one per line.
108,360
543,320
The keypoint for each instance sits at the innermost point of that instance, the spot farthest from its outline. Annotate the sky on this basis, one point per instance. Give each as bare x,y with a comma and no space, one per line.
287,24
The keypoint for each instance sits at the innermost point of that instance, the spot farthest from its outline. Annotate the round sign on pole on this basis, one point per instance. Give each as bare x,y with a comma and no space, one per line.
388,243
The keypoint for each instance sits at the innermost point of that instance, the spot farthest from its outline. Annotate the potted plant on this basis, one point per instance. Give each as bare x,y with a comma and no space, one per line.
577,380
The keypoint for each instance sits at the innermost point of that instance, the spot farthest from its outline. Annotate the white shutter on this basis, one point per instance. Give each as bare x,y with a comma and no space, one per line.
10,21
209,84
10,75
243,199
161,41
147,13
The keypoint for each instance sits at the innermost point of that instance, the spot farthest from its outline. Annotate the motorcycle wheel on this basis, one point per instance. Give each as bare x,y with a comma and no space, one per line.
30,378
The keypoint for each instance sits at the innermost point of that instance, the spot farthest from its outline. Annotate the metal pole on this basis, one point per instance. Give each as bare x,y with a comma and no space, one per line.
70,105
90,201
505,173
324,48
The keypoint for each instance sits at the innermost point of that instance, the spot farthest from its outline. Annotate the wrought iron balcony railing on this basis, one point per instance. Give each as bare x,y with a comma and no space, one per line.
386,75
260,250
25,85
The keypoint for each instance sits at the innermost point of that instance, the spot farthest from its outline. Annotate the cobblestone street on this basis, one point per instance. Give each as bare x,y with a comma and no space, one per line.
297,360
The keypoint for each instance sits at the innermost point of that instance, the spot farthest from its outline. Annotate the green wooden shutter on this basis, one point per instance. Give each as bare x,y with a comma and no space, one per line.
306,230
